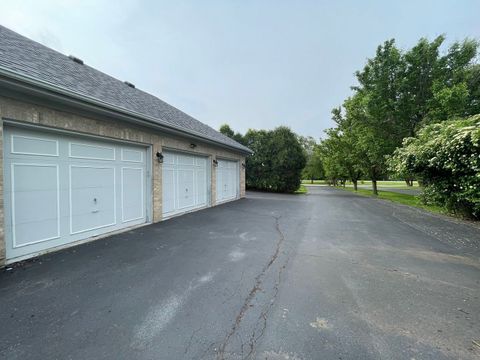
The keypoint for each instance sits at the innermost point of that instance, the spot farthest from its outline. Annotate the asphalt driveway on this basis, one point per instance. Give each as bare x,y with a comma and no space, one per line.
329,275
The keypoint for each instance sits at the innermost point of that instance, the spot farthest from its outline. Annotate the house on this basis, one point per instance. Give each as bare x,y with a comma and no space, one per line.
85,154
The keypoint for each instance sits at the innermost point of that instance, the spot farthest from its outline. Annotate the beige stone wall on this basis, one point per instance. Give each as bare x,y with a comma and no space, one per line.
242,176
30,113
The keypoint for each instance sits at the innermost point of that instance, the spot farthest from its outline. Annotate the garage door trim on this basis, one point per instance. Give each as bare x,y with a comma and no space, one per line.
12,123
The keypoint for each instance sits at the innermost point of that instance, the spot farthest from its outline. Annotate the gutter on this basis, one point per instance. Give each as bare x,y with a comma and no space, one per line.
43,89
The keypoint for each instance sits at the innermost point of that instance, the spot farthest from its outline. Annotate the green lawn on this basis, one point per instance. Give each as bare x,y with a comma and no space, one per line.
301,190
389,184
315,182
406,199
380,184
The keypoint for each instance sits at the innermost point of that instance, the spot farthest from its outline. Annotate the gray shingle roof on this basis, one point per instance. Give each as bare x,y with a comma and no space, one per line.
29,58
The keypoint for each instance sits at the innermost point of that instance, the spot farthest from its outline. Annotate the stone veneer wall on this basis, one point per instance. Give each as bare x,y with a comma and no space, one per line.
34,114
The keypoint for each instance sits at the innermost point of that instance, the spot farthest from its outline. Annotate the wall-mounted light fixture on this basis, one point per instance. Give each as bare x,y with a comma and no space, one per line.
215,162
243,165
193,146
160,157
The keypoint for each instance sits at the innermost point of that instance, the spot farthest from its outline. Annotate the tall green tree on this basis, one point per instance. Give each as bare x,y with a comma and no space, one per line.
226,130
277,162
314,166
398,92
473,84
420,69
313,169
373,110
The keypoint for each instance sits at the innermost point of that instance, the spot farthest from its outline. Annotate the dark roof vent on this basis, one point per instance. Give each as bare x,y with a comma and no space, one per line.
77,60
129,84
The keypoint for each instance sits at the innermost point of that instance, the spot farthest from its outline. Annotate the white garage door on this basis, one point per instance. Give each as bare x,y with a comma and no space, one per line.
62,188
185,183
227,180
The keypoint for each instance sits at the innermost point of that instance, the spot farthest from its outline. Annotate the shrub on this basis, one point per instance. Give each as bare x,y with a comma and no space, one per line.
446,159
277,162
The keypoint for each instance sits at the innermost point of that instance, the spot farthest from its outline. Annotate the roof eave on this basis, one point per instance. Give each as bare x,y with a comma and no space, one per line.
23,83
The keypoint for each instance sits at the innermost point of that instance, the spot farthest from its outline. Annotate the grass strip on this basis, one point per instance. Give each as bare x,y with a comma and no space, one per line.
405,199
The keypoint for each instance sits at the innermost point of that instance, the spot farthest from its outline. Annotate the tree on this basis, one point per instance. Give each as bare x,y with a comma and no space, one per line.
345,137
473,84
449,102
420,69
226,130
399,92
454,91
314,167
373,110
277,162
308,144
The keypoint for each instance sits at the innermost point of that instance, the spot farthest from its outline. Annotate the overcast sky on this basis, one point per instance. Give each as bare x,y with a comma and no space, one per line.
251,64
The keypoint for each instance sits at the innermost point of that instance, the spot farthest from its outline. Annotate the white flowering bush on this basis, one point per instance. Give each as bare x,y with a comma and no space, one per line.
446,158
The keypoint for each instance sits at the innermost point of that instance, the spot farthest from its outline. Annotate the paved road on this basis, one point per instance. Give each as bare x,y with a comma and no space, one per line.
328,275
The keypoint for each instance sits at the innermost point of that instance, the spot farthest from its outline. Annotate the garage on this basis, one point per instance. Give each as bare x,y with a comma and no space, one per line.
62,188
185,183
86,154
227,180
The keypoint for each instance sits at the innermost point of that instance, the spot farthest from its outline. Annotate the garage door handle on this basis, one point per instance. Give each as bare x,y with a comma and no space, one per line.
94,211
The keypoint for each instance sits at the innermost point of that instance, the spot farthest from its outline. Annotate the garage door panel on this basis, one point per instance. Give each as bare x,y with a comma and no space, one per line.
227,180
168,158
185,192
185,160
92,198
34,184
132,155
201,184
132,194
168,190
91,151
27,145
184,183
219,182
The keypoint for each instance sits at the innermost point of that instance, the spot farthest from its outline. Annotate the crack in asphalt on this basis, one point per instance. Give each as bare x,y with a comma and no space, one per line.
251,295
264,314
189,344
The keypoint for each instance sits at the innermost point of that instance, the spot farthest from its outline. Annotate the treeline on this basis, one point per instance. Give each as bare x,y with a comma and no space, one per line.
277,161
399,95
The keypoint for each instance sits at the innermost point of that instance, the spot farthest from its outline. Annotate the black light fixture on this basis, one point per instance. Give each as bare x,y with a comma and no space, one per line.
243,165
193,146
159,157
215,162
